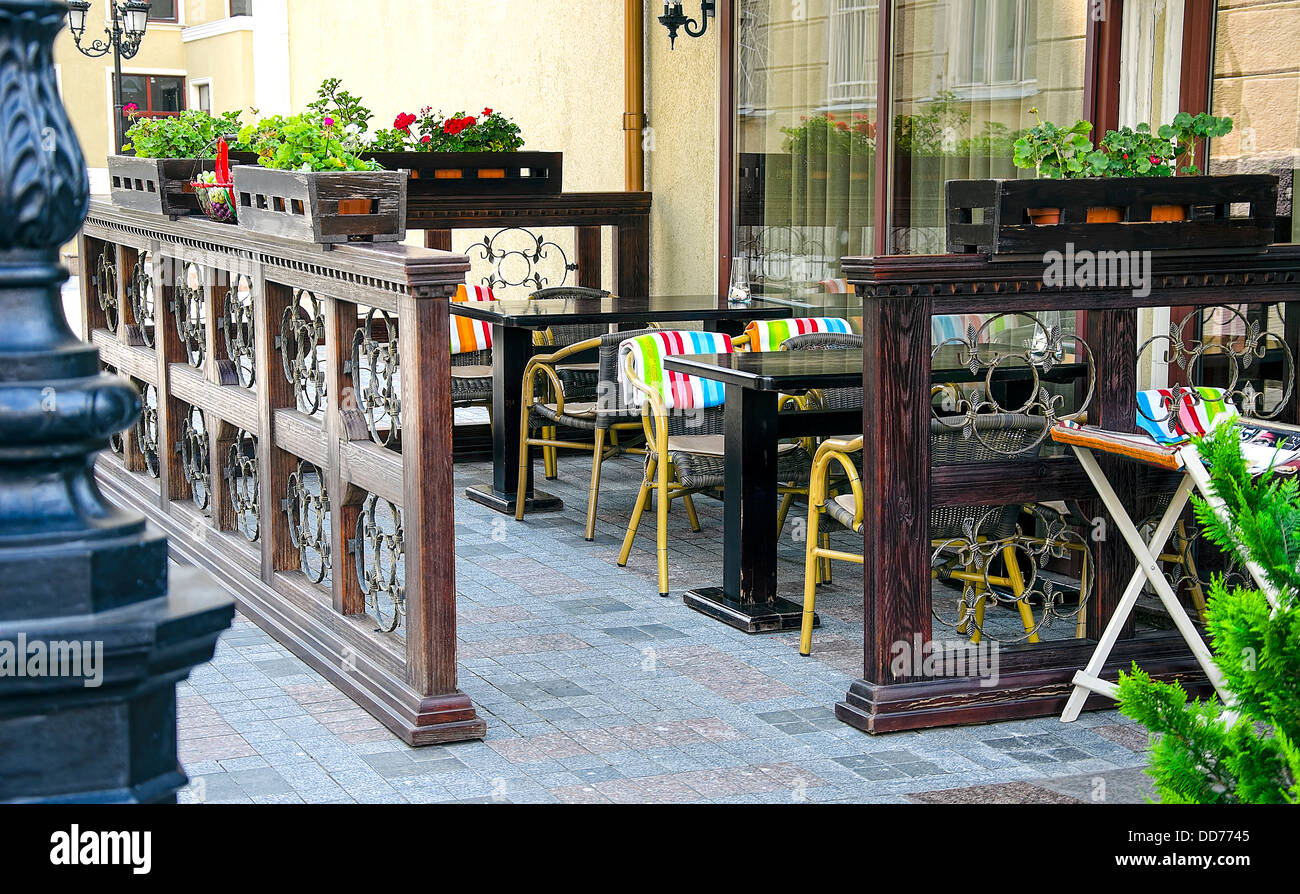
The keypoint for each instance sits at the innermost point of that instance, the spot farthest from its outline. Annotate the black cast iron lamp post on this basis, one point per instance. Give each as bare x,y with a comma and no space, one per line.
79,579
674,18
125,33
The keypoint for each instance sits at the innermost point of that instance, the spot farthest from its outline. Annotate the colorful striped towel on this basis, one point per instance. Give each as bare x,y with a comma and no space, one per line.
469,335
680,391
1197,414
769,335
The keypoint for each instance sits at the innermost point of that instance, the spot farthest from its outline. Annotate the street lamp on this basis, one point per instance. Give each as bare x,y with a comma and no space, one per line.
674,17
124,35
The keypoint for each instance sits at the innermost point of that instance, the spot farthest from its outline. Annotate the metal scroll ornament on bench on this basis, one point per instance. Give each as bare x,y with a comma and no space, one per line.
195,459
375,369
990,217
241,482
189,307
378,550
517,256
105,279
1044,348
140,295
302,333
238,328
308,506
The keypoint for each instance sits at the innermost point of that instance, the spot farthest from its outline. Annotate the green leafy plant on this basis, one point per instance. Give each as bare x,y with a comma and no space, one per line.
827,134
1054,152
191,134
350,115
1198,756
1188,130
307,142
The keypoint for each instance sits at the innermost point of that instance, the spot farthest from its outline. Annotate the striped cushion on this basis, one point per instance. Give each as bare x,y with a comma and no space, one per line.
955,326
1195,415
469,335
679,391
769,335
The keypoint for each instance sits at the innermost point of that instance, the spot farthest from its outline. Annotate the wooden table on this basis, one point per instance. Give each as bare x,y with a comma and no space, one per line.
513,323
747,599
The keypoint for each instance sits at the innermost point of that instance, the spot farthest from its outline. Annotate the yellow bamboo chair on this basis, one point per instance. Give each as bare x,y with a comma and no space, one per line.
545,407
846,509
679,466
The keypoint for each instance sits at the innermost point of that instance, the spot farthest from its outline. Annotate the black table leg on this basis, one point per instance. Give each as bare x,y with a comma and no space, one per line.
747,600
732,327
512,347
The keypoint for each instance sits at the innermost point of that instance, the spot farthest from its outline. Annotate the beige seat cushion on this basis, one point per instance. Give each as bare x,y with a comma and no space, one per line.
576,408
846,502
471,372
711,445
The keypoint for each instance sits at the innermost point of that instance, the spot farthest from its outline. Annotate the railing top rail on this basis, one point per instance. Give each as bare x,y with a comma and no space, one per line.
380,269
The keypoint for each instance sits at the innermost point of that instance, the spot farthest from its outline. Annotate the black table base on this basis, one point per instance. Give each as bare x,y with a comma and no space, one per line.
771,616
486,495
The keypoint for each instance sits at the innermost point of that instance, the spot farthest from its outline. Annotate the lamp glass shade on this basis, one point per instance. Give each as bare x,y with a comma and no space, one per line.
77,16
135,17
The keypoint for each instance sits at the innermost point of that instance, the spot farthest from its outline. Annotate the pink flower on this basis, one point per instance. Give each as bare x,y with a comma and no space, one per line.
427,139
130,107
329,122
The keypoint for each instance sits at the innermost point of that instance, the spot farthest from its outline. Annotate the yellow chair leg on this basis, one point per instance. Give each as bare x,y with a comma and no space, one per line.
981,600
551,455
521,489
826,544
811,571
661,538
637,510
597,457
782,513
1018,590
690,513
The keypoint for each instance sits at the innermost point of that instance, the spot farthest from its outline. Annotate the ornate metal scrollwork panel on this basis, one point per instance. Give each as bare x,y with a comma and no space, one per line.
189,307
379,550
308,507
140,295
376,362
241,484
1040,347
105,278
195,452
1007,572
789,256
117,440
520,257
1228,348
302,336
146,429
238,327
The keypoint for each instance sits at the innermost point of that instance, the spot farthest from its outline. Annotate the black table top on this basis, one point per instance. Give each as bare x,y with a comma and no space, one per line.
775,370
525,313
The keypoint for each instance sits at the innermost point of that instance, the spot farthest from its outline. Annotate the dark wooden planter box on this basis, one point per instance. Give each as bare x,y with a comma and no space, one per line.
325,207
991,216
478,173
156,185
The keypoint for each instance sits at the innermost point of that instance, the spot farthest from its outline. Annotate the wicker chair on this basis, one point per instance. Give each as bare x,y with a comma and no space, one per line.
685,455
999,435
579,378
548,403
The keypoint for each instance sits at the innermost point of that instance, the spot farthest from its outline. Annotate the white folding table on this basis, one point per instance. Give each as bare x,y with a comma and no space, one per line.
1183,458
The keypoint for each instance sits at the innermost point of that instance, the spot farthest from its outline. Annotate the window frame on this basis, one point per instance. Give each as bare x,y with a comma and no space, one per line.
175,17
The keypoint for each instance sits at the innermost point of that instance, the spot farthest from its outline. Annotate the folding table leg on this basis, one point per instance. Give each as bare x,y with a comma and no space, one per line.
1148,567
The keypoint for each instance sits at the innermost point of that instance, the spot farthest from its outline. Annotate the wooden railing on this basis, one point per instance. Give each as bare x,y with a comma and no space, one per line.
261,360
900,295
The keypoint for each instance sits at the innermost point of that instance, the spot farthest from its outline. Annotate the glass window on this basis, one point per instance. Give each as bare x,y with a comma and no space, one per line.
203,93
241,7
162,10
805,134
966,74
154,95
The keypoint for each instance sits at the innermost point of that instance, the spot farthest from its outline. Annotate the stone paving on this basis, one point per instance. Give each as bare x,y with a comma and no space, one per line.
594,689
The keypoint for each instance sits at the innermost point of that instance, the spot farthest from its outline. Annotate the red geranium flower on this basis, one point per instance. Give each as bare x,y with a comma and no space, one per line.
487,112
403,122
427,139
471,121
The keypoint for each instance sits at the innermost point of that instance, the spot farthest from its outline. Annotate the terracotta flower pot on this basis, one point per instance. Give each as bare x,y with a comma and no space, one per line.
356,206
1040,217
1168,213
1105,214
